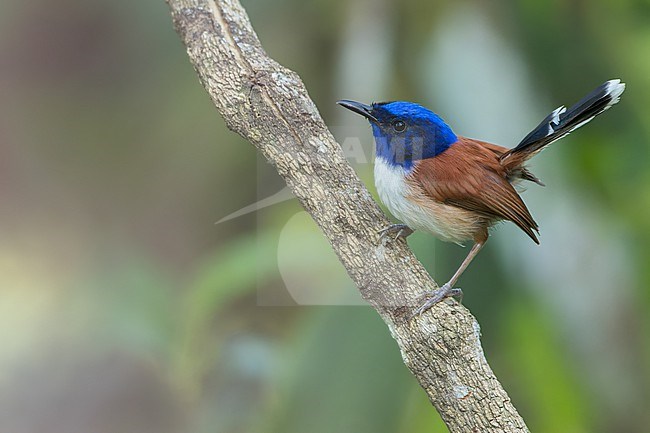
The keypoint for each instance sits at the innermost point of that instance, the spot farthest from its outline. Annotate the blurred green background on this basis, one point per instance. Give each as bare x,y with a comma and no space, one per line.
124,308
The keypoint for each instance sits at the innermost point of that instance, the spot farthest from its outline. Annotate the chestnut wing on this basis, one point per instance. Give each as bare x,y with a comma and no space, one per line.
469,176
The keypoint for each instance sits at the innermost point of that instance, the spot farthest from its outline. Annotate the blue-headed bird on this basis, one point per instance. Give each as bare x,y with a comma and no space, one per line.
454,187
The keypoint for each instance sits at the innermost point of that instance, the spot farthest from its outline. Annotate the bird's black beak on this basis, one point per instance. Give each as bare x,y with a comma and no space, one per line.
359,108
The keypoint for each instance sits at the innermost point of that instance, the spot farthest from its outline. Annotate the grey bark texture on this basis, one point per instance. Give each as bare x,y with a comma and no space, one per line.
269,105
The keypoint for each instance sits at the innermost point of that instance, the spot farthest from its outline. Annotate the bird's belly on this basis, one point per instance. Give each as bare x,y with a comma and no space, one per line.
449,223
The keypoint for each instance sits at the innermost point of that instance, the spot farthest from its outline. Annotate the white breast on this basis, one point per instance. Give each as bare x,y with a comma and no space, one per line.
448,223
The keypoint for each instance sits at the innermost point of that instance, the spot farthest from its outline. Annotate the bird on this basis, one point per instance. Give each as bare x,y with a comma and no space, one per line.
457,188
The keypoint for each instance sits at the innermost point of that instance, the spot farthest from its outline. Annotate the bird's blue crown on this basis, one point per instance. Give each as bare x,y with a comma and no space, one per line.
406,132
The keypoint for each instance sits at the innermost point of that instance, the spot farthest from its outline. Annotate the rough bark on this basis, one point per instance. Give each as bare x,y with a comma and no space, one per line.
269,105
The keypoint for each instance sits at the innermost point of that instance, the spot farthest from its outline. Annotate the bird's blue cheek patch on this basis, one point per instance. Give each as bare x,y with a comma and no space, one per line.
402,149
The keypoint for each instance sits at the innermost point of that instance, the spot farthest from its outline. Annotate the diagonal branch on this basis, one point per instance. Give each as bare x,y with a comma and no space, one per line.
269,105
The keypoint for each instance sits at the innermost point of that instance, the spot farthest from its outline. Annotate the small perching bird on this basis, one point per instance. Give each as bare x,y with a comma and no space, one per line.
456,187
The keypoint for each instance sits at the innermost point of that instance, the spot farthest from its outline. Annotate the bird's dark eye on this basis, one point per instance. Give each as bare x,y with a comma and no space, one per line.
399,126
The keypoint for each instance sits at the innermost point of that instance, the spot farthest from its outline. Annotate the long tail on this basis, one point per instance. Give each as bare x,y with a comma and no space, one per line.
562,122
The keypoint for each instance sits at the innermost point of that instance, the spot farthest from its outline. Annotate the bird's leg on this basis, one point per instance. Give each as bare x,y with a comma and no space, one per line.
448,289
395,231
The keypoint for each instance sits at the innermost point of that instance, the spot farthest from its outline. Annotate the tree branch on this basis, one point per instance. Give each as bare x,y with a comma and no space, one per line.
269,105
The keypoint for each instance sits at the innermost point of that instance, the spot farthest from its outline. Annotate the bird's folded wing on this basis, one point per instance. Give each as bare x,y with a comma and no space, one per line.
469,176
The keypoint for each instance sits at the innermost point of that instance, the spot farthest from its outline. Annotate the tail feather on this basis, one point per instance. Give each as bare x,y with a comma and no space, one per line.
561,121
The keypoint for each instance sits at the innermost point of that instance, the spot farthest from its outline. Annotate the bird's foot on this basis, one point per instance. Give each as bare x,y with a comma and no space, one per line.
395,231
438,295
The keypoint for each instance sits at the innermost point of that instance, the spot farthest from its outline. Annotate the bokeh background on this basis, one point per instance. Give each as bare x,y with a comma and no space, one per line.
125,308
